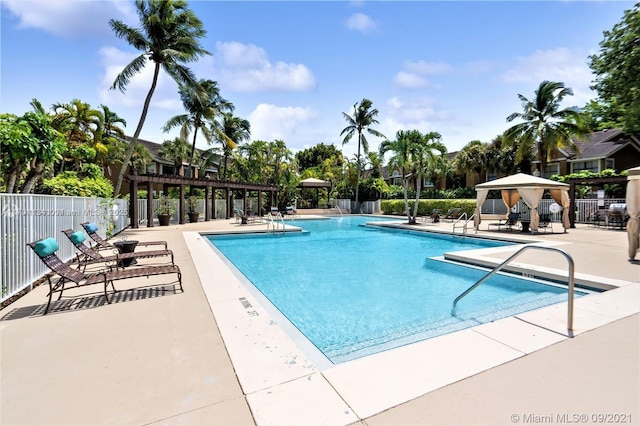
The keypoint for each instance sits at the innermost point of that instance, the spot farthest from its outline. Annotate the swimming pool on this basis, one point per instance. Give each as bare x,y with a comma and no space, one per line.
354,290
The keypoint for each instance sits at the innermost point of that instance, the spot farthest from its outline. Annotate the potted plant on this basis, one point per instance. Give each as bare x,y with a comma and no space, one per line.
192,208
165,210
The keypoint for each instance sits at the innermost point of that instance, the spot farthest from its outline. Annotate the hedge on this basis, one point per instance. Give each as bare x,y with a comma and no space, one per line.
425,207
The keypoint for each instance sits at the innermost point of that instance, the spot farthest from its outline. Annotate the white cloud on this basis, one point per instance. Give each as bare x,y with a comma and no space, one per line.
270,122
414,73
246,68
68,18
409,80
560,64
361,22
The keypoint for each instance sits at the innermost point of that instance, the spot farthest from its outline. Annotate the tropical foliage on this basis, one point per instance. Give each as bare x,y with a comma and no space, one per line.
545,126
617,70
364,116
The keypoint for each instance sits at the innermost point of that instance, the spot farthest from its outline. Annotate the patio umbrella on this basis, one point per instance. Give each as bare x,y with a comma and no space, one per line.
633,210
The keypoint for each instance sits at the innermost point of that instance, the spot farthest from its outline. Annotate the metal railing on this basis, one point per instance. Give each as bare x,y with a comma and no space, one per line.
272,219
25,218
571,280
465,224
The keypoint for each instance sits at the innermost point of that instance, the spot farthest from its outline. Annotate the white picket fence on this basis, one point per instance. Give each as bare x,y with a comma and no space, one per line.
27,218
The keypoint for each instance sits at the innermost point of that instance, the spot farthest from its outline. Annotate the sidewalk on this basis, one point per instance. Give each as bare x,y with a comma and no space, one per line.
160,358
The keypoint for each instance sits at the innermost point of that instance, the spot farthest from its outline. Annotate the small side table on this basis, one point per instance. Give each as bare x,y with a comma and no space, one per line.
525,225
127,246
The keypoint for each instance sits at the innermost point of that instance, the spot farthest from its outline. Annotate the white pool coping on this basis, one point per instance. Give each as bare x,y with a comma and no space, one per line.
285,385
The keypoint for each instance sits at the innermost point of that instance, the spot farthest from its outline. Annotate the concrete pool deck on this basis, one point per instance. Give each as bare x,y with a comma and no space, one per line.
212,355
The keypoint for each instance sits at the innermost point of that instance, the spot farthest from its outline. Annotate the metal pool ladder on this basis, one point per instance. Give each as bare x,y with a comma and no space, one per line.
465,224
272,220
571,281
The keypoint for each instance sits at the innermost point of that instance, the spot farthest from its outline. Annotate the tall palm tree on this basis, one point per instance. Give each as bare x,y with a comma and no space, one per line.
169,37
203,103
230,132
425,152
363,117
472,158
401,148
545,126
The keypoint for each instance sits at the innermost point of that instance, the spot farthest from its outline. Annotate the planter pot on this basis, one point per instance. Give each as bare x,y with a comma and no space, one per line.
193,216
164,219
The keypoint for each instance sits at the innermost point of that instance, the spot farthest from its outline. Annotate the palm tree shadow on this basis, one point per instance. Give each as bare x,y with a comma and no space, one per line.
90,301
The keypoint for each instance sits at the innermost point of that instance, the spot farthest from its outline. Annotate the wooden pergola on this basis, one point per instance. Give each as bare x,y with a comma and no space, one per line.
181,182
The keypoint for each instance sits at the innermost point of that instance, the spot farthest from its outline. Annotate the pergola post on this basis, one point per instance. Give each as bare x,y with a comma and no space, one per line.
206,203
133,203
181,205
149,205
572,204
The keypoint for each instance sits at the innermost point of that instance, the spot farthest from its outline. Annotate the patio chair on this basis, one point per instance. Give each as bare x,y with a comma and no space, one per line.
509,223
291,211
238,215
545,222
452,214
434,216
87,256
102,244
46,249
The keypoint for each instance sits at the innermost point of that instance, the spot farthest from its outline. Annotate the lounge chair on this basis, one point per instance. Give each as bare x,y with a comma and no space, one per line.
102,244
545,222
46,251
88,256
452,214
239,215
291,211
509,223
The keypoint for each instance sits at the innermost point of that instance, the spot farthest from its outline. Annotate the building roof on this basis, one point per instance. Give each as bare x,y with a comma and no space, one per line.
600,144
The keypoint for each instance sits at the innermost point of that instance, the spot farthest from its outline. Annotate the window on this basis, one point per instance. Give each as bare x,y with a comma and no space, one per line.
590,166
609,163
168,170
427,183
552,169
491,176
151,168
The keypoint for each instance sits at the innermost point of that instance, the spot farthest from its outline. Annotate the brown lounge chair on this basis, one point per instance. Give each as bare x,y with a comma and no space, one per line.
452,214
102,244
46,248
88,256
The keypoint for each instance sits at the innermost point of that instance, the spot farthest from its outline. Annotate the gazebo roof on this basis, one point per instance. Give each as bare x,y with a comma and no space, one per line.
314,183
522,180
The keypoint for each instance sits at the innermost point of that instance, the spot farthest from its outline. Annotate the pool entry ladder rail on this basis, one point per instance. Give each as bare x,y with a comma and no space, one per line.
571,280
465,224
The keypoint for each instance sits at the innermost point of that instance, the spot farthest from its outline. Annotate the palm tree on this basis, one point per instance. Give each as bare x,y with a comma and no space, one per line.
426,153
169,37
203,103
363,117
176,150
472,158
401,147
230,132
113,138
545,126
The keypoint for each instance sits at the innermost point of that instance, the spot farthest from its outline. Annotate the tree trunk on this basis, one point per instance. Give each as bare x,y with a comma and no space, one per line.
32,178
136,135
358,172
542,156
193,151
414,217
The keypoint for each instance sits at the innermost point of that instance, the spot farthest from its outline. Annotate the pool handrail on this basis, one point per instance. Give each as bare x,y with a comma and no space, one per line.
571,280
465,225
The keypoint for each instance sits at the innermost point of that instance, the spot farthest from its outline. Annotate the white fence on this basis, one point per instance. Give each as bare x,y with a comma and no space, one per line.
584,208
220,210
27,218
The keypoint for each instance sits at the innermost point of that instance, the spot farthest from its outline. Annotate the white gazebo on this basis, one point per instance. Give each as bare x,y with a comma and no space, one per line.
530,189
633,210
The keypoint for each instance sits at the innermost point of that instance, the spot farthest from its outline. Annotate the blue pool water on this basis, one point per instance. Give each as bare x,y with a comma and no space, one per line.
355,290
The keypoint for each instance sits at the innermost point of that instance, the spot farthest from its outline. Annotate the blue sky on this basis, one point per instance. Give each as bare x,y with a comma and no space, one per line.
292,68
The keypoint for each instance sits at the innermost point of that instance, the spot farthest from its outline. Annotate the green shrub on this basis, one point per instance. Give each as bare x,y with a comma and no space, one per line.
396,207
68,183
